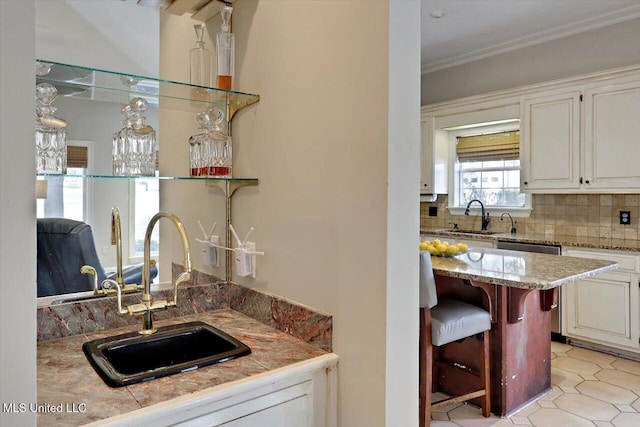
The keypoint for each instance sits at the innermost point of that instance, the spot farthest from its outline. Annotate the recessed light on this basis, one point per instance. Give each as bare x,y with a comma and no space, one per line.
437,14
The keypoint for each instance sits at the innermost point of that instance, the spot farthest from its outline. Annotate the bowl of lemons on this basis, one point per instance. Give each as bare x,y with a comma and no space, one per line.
443,248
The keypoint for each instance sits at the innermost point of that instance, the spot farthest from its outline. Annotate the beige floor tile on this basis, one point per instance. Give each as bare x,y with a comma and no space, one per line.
586,407
636,405
557,347
546,404
563,378
556,417
626,420
603,424
520,420
575,365
555,392
630,366
470,416
620,378
626,408
443,424
441,416
607,392
602,359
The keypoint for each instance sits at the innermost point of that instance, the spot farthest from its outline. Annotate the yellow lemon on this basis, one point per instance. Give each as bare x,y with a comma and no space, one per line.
441,248
462,247
452,250
424,246
432,250
436,242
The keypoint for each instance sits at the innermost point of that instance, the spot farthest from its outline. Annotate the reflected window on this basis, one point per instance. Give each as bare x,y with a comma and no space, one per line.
145,203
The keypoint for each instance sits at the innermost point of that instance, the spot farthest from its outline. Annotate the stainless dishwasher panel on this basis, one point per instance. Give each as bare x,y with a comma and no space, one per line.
556,325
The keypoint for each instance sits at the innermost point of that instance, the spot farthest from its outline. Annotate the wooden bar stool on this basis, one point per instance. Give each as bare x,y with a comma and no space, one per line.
443,322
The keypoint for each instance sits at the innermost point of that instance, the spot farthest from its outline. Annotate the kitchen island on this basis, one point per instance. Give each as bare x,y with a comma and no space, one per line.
518,289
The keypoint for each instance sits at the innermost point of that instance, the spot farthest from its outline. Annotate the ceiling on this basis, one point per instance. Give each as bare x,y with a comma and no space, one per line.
475,29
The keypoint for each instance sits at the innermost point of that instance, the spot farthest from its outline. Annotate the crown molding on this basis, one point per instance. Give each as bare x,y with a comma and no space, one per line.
611,18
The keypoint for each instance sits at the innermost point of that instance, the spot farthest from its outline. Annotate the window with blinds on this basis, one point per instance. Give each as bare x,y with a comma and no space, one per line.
487,168
494,146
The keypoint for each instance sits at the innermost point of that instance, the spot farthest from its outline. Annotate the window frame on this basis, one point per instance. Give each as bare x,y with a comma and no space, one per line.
454,173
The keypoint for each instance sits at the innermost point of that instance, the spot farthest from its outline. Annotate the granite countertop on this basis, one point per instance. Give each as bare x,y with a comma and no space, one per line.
518,269
66,378
546,239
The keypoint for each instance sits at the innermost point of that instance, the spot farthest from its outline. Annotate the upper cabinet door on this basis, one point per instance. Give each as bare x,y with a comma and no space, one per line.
426,164
549,144
612,137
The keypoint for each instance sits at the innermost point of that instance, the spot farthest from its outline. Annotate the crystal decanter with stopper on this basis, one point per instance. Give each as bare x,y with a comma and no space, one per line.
225,50
140,142
201,67
219,145
119,150
51,133
198,155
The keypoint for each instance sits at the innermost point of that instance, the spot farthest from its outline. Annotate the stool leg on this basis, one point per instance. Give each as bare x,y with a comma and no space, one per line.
485,375
426,366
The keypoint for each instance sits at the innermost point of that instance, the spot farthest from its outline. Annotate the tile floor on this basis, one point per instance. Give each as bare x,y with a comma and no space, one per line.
589,389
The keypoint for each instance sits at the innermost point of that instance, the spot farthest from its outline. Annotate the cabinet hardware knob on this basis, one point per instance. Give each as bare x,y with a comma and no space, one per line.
580,180
587,181
526,183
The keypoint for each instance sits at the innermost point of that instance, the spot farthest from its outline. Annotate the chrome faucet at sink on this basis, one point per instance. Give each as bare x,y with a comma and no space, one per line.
485,216
147,306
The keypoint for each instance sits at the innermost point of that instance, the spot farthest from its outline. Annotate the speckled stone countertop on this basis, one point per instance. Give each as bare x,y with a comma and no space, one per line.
546,239
518,269
66,378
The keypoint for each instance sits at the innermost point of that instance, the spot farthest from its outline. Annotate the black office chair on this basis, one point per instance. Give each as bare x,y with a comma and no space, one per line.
64,246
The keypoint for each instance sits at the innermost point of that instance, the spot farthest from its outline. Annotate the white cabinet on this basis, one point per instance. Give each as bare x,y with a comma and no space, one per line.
302,395
550,136
434,158
612,137
583,139
604,309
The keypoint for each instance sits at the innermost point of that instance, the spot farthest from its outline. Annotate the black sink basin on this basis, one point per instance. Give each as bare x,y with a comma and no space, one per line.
132,358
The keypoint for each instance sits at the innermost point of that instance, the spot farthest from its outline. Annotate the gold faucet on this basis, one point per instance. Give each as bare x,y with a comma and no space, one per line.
147,306
107,287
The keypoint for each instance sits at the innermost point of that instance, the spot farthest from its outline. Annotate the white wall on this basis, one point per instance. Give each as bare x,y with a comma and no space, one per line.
17,212
596,50
115,35
336,210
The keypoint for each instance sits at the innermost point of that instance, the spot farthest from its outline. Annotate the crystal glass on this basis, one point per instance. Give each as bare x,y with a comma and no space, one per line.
50,133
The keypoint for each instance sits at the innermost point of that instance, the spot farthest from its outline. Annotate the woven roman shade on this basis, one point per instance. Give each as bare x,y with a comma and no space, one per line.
493,146
77,157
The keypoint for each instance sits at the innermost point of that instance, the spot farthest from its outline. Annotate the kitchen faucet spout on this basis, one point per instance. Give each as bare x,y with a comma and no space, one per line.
485,215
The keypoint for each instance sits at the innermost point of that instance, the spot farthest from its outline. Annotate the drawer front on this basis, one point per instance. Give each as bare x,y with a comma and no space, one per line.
628,262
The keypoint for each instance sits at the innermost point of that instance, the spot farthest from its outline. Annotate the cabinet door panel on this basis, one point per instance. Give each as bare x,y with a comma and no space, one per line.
612,137
603,310
550,142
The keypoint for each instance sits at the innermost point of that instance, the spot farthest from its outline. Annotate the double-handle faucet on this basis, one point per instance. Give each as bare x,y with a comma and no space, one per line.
485,215
147,305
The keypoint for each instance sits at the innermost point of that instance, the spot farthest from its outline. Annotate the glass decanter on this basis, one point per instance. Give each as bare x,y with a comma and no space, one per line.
119,150
198,148
140,142
225,50
201,67
51,133
219,145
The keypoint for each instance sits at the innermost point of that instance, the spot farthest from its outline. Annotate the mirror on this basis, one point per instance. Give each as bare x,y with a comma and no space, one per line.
107,42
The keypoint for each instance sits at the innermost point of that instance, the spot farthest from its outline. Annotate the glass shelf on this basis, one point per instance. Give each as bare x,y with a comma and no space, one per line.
175,178
100,85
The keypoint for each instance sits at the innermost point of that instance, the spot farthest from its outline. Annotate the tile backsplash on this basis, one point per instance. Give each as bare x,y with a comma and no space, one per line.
579,215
